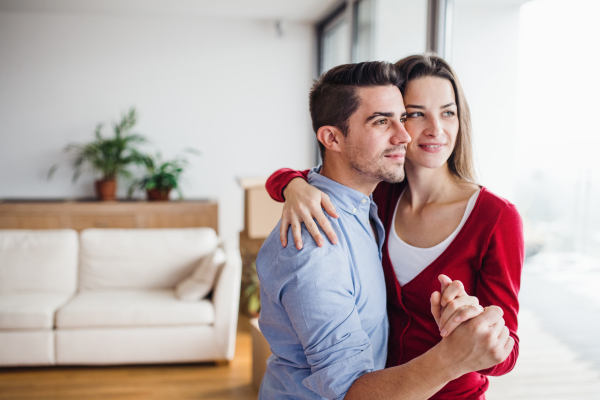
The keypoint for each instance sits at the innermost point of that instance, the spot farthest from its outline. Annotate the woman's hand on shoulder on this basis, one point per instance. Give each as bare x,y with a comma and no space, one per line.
304,203
452,306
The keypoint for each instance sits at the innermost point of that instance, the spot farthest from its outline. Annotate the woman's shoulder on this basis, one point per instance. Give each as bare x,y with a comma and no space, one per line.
498,219
496,206
494,200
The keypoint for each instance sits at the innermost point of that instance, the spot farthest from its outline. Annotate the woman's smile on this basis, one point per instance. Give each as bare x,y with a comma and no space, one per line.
432,147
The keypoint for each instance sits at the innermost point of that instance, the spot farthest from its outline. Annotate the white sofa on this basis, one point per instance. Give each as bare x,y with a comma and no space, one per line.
106,296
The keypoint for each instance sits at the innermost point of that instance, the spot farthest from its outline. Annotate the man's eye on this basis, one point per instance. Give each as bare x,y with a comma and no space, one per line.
402,120
381,122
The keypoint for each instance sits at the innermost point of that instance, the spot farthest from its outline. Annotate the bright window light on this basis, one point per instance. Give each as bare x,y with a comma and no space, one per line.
558,131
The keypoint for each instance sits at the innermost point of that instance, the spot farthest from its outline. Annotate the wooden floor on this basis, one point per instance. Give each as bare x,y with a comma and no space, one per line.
161,382
546,370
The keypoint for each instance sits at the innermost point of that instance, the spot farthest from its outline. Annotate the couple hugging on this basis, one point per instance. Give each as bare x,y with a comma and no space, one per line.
373,312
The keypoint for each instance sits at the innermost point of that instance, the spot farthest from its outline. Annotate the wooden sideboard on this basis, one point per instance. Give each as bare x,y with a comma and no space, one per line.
80,215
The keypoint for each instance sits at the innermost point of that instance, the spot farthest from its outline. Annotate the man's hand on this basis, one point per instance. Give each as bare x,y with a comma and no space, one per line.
479,343
304,202
476,344
452,306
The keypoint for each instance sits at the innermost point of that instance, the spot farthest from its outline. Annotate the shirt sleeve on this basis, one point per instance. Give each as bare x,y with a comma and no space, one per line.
500,278
319,297
280,179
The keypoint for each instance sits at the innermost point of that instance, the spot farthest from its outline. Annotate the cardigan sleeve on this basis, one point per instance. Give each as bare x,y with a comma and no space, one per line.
499,279
280,179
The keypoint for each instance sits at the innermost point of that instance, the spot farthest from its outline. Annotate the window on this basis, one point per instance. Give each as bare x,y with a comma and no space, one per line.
335,42
528,69
383,30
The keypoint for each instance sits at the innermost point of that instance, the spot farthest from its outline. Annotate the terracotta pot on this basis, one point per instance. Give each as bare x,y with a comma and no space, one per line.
158,195
106,189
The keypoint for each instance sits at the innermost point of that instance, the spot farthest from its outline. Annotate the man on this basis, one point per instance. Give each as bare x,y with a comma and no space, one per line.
324,308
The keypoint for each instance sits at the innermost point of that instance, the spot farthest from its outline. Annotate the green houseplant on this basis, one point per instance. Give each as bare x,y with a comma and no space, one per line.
109,156
161,177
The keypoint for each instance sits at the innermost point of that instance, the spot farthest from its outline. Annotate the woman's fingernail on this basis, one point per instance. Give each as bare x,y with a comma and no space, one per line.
443,332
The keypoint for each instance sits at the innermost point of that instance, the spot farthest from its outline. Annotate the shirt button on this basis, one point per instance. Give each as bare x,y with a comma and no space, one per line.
363,201
354,210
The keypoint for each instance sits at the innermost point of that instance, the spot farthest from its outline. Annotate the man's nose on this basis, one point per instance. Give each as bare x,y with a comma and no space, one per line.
400,135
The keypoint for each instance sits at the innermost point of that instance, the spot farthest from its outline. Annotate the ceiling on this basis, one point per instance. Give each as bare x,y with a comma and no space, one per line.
288,10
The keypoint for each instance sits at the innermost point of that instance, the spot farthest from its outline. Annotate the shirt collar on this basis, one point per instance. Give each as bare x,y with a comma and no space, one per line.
348,199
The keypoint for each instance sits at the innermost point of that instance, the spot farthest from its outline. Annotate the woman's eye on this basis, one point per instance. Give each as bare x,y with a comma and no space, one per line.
449,114
414,115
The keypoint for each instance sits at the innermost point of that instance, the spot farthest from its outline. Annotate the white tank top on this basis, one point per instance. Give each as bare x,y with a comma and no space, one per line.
408,261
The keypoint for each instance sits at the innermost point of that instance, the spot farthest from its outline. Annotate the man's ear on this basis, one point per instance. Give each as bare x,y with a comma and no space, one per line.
330,137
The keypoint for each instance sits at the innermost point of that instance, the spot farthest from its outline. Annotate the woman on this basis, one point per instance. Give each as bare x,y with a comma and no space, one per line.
438,221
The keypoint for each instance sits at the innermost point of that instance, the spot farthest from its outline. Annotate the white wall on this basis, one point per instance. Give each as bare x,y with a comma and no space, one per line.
485,57
230,88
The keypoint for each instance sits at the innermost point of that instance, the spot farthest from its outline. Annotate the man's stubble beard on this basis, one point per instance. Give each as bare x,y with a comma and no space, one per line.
376,168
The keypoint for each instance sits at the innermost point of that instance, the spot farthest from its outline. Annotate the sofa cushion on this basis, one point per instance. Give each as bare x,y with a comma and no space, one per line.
21,348
199,284
30,310
163,344
132,308
141,258
43,260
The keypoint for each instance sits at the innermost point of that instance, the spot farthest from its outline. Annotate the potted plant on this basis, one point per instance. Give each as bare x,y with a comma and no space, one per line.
162,177
110,156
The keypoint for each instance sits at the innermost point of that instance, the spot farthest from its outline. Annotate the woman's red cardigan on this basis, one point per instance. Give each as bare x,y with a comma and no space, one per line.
486,256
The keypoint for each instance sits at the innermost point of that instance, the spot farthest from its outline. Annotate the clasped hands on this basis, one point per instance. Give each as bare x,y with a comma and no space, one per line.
481,339
452,305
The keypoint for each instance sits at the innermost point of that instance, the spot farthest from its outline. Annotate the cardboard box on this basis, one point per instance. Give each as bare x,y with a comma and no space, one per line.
261,213
260,352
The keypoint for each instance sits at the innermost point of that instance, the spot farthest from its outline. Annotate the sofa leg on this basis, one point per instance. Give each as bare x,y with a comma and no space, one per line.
222,363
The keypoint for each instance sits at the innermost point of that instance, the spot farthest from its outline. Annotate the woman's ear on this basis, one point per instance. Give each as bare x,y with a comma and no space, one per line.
330,137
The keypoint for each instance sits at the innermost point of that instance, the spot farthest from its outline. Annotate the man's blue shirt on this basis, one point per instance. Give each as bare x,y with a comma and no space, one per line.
323,309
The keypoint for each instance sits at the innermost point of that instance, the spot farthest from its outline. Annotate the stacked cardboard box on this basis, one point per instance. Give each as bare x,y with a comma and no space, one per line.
261,214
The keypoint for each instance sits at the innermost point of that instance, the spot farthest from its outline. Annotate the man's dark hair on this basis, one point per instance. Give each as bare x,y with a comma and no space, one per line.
334,96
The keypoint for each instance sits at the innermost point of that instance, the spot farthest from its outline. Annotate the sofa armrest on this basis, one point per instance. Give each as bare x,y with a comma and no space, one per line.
226,300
